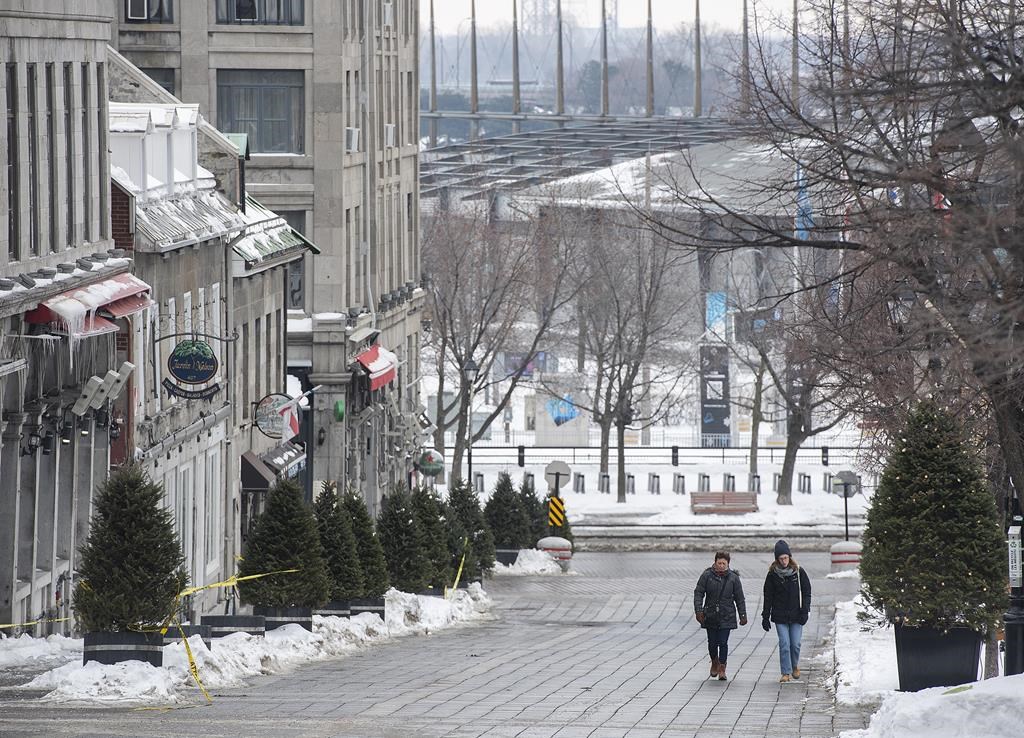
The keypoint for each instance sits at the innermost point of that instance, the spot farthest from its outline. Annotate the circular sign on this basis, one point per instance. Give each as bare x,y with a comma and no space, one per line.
557,474
431,463
268,416
192,362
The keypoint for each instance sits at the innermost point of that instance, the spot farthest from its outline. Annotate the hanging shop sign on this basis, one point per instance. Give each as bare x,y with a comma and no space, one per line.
268,418
193,362
431,463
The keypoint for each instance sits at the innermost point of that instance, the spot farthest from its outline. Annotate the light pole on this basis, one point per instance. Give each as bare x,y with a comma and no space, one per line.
1013,619
469,372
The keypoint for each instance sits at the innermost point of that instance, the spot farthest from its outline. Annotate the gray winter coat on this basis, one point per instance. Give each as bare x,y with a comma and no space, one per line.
710,587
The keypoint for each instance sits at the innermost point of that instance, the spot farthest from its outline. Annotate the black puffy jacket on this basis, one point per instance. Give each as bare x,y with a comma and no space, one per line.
726,590
787,599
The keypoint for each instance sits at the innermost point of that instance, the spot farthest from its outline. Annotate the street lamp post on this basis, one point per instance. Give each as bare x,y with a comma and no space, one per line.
469,372
1013,620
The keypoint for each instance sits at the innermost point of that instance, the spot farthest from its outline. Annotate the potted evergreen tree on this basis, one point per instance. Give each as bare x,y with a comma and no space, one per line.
468,518
285,538
536,511
371,556
933,552
403,542
430,516
507,520
343,568
130,572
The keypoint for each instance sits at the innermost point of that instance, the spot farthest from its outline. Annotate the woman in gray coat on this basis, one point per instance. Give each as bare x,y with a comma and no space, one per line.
717,598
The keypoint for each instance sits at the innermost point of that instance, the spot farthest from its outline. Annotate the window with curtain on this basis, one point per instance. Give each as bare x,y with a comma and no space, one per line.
261,12
163,76
268,105
149,11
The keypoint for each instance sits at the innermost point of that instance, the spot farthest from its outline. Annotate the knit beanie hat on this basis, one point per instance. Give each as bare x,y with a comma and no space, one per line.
781,547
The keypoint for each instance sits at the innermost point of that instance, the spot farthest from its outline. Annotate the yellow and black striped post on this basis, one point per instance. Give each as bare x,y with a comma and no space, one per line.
556,511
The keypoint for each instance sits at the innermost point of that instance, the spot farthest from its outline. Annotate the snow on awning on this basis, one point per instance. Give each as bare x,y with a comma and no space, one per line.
197,216
92,325
74,307
380,364
128,306
268,237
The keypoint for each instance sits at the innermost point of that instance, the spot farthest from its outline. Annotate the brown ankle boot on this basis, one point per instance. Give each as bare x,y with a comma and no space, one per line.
721,673
716,665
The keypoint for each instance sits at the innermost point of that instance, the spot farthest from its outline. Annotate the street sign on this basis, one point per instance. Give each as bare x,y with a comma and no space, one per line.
1013,542
846,483
556,511
557,474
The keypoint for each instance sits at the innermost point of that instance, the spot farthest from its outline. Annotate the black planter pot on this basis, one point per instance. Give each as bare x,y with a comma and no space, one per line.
336,608
279,616
222,625
173,635
927,657
113,648
374,605
506,556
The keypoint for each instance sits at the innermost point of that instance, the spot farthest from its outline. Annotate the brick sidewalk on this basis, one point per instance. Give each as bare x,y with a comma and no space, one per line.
613,651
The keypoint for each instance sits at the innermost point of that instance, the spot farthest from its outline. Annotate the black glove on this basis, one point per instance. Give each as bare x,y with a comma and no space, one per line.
700,617
803,618
743,619
766,625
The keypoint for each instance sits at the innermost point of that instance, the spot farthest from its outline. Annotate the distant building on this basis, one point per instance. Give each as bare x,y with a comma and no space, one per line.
328,97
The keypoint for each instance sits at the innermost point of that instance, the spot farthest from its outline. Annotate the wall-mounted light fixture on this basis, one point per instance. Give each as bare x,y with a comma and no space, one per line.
34,439
321,436
47,444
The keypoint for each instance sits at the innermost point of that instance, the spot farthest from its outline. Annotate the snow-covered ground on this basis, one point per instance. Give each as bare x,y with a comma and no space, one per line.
236,657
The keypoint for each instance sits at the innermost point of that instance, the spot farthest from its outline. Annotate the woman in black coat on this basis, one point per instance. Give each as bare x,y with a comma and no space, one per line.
787,603
716,599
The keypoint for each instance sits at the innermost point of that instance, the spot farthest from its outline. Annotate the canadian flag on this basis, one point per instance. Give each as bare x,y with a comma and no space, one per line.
289,421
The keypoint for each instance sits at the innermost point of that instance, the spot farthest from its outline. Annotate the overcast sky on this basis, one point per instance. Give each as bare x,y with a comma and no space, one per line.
726,14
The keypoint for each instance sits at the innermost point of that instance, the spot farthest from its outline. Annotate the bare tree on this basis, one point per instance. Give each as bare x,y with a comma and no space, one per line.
495,287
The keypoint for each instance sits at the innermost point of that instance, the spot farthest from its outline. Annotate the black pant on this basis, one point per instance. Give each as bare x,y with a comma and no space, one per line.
718,643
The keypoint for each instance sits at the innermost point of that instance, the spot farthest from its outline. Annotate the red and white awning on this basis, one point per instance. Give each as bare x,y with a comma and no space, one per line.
118,296
380,364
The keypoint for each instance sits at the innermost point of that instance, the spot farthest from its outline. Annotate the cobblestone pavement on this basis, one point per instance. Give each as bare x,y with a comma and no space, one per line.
611,652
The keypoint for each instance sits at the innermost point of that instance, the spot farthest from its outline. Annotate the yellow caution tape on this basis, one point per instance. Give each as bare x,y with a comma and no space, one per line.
458,575
193,668
32,622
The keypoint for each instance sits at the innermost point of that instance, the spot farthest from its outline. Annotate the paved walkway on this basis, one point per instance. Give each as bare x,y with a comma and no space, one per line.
611,652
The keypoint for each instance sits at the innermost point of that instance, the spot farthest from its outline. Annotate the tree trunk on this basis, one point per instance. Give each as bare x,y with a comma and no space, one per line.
1009,418
755,414
606,433
793,443
621,447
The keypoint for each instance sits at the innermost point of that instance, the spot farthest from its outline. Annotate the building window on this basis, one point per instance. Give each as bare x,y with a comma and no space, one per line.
86,159
149,11
296,298
51,155
33,158
261,12
13,188
268,105
101,149
69,156
163,76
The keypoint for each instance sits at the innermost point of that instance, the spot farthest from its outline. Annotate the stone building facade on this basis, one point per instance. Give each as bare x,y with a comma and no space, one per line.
62,285
327,94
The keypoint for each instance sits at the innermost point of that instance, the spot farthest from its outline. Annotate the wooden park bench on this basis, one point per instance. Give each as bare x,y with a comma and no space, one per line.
723,503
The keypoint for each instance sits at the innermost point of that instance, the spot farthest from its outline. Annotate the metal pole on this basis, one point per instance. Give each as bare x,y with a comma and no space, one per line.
560,69
604,58
469,446
474,100
1013,619
650,61
696,65
433,78
745,85
515,65
796,57
846,508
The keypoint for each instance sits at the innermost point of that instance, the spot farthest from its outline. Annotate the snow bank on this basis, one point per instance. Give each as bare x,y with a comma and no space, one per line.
239,656
986,709
529,561
865,654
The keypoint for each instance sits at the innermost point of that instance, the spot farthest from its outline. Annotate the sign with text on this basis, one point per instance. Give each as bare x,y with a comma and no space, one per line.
193,362
268,417
714,394
1013,542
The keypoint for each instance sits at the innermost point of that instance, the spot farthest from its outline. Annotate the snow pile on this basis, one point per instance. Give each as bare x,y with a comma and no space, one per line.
529,561
26,650
239,656
847,574
865,654
986,709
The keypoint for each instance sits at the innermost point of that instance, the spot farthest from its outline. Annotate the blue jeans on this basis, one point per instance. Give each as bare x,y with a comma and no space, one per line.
718,643
789,645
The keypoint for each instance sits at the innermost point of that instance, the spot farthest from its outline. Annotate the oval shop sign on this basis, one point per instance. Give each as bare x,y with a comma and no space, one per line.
192,362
